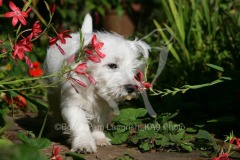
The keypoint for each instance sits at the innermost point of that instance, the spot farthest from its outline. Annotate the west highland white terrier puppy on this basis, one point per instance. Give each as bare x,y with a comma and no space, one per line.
87,95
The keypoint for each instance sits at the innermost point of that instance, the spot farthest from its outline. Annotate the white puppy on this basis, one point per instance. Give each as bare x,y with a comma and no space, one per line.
86,109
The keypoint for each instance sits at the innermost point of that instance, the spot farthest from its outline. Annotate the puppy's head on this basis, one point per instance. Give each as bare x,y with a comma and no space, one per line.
115,74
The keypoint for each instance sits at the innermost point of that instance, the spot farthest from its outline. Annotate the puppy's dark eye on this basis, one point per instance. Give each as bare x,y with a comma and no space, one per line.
112,66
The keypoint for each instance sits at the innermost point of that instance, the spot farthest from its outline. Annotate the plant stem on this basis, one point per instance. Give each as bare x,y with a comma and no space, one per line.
43,126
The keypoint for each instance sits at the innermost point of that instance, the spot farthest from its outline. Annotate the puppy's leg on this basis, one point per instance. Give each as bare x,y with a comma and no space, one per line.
82,139
100,137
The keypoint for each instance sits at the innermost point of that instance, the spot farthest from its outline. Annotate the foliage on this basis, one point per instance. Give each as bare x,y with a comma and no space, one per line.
160,133
30,149
200,36
185,88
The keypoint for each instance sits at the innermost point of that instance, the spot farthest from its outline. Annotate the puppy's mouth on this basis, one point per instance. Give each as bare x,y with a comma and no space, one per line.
132,90
120,92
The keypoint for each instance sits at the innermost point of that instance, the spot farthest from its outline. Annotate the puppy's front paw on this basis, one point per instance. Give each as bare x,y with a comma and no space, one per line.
85,147
100,138
103,141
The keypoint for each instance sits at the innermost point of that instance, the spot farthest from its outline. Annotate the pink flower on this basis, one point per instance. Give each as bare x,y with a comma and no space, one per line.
53,8
17,14
19,50
36,29
24,45
95,48
71,59
222,156
3,48
55,153
95,59
237,141
29,62
80,69
60,49
139,77
61,37
91,79
79,82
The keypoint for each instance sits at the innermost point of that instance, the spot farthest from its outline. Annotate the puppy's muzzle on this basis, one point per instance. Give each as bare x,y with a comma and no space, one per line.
130,88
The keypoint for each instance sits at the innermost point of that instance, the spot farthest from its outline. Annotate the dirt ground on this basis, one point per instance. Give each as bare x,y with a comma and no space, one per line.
29,122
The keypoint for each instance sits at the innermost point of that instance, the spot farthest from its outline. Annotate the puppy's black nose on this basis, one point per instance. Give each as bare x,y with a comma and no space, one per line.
130,88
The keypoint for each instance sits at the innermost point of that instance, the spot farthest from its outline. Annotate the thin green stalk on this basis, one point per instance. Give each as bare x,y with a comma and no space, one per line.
27,79
25,88
43,126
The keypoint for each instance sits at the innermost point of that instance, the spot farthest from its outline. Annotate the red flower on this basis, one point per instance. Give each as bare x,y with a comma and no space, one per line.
17,14
61,37
3,48
24,45
36,70
79,82
53,8
71,59
55,153
19,101
96,46
91,79
139,77
28,62
36,30
237,141
222,156
95,59
80,69
60,49
1,2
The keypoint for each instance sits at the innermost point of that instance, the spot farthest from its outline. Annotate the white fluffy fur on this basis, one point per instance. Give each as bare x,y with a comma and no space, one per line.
88,111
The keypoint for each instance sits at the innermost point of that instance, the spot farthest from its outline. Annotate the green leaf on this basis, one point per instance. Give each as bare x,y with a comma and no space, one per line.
47,6
186,146
191,130
223,119
5,142
117,138
74,155
178,20
171,48
215,67
146,134
226,78
202,134
129,116
177,137
145,146
21,151
163,142
37,143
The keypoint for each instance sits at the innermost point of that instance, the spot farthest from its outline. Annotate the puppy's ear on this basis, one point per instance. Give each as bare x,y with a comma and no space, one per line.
87,26
143,48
